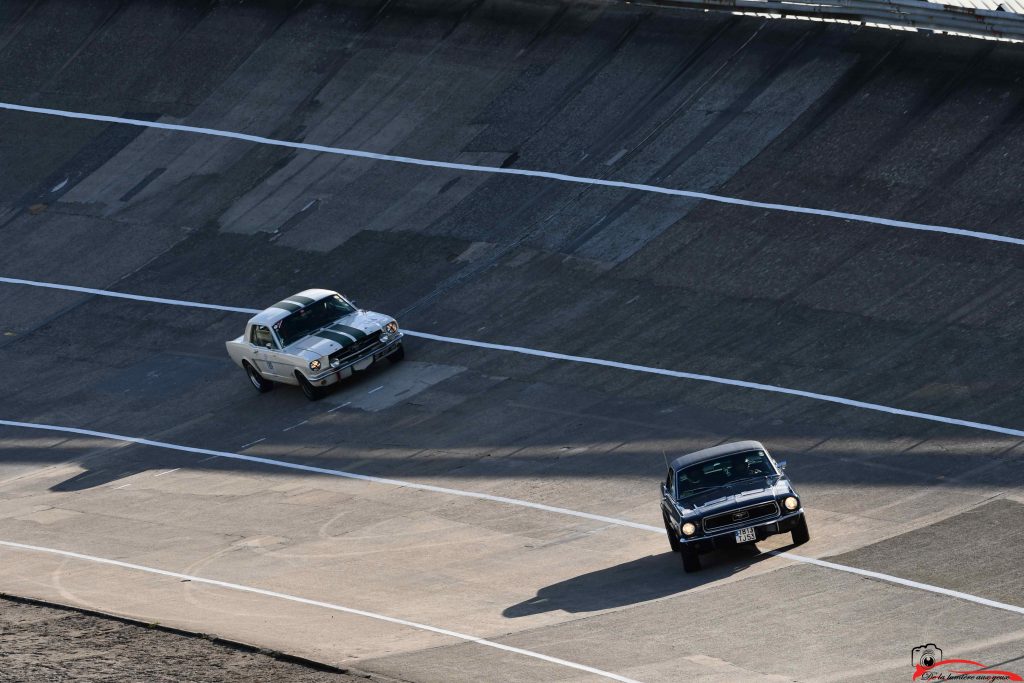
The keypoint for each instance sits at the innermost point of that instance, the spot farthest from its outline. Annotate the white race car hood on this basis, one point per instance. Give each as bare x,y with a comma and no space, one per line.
340,334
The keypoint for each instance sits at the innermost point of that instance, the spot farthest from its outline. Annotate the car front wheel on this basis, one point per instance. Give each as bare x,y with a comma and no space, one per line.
308,390
672,540
256,379
398,354
801,534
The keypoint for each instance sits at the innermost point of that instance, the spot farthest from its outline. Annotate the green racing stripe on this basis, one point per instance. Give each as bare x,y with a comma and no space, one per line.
338,337
287,306
350,331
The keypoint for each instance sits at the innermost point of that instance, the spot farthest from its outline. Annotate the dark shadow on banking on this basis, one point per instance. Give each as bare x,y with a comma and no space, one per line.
640,580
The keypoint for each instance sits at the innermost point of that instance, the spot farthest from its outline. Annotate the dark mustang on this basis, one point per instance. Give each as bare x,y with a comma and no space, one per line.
726,495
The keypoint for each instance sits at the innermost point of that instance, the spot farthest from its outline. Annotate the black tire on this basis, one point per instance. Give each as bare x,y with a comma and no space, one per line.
308,390
691,560
673,542
257,380
398,354
801,534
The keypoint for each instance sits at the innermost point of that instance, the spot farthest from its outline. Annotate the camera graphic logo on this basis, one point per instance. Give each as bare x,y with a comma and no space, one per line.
926,655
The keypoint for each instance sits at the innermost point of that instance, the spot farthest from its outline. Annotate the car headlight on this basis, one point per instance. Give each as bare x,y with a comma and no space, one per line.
688,529
336,363
314,365
791,503
391,327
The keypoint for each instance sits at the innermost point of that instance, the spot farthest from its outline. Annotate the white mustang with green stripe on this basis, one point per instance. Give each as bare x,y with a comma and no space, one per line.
313,339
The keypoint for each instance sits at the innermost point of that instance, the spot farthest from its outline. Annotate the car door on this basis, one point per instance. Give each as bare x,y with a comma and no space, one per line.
263,350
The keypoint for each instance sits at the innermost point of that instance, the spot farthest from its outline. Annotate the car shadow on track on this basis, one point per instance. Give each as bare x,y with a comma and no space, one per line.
639,580
91,479
101,469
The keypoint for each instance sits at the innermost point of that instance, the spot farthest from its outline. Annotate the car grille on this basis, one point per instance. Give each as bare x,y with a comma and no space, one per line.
353,350
748,515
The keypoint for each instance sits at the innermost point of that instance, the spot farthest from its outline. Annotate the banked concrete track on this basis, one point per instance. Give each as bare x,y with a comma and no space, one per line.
905,127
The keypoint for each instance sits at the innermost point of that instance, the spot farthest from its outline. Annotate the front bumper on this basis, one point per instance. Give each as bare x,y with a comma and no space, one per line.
705,543
349,365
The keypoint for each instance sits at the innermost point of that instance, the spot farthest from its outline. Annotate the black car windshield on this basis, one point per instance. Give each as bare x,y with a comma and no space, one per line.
722,471
311,318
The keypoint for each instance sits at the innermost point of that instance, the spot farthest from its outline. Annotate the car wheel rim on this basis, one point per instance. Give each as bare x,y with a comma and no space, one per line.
253,378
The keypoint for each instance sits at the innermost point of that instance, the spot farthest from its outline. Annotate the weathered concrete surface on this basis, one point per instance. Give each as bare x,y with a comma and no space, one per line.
900,126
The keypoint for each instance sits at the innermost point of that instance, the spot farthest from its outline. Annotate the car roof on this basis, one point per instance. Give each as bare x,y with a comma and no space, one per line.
716,452
283,308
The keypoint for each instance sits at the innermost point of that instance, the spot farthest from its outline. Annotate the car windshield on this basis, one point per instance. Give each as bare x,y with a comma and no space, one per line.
317,315
722,471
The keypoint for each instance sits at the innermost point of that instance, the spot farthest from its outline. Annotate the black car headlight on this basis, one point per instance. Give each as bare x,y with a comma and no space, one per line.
688,529
314,365
791,503
391,327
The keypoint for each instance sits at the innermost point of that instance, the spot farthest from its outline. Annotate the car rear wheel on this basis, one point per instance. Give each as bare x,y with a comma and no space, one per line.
256,379
398,354
801,534
308,390
672,540
691,560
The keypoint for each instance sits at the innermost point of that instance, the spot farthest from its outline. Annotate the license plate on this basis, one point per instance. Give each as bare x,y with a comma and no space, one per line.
746,535
363,364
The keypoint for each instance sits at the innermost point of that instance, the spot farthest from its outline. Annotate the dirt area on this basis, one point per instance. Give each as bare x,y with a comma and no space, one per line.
39,643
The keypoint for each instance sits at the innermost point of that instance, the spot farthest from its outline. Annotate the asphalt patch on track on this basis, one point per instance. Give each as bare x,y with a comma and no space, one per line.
980,552
379,390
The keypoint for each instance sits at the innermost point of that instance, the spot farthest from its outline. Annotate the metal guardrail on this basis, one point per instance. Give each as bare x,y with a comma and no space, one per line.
898,14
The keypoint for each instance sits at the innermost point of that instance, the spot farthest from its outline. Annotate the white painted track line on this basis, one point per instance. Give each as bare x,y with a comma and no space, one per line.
330,472
501,499
722,380
318,603
562,177
902,582
678,374
121,295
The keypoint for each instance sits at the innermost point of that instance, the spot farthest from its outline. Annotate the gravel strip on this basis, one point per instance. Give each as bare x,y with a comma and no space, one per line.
42,643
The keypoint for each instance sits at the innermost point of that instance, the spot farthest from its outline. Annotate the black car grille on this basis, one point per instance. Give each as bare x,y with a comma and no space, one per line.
353,350
742,516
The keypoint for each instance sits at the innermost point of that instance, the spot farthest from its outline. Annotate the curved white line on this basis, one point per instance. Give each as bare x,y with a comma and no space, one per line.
122,295
319,603
902,582
553,355
509,501
583,180
722,380
330,472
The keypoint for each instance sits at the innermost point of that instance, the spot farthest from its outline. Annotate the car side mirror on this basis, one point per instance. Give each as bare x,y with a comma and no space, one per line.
782,465
663,488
